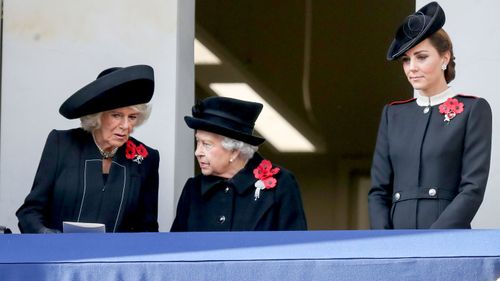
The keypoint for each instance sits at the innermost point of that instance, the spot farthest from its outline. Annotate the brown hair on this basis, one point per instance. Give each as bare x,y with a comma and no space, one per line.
442,42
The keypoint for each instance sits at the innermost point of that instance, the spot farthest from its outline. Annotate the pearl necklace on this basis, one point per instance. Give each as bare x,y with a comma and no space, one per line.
105,154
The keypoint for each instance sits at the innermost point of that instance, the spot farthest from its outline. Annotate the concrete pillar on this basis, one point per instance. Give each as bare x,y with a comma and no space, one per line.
52,48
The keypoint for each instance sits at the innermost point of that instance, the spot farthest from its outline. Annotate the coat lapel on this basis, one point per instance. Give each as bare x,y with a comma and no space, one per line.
105,203
127,172
88,170
251,210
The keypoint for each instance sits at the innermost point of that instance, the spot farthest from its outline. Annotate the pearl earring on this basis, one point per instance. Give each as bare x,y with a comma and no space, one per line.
231,160
444,66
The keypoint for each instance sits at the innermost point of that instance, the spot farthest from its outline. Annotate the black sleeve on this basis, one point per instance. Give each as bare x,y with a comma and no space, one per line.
291,211
475,169
382,176
181,217
35,210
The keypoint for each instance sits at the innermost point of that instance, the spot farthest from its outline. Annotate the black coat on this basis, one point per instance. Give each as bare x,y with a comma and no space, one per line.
69,186
427,173
210,203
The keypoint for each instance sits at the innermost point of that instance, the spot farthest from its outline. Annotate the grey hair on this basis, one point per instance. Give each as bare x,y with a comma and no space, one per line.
246,150
92,122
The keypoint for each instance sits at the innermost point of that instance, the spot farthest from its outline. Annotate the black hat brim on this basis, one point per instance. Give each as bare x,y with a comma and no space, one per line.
124,87
201,124
401,44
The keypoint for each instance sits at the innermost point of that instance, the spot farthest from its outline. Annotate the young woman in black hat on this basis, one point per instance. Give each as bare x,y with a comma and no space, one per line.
432,157
238,189
98,173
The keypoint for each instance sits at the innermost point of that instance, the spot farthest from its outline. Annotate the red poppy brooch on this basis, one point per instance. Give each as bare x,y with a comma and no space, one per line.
136,153
451,108
264,174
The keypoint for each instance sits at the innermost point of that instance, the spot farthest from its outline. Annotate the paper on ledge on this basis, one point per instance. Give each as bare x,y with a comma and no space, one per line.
83,227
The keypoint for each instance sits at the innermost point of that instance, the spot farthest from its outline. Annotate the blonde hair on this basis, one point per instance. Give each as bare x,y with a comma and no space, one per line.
92,122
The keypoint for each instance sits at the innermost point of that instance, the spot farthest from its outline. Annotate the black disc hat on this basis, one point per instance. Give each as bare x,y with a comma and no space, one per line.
114,88
416,28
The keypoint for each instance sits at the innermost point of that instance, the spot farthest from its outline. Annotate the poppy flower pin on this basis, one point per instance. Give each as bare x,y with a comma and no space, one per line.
264,174
136,153
451,108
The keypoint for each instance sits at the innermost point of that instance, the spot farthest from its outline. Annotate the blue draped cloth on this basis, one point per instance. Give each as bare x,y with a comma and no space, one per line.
296,255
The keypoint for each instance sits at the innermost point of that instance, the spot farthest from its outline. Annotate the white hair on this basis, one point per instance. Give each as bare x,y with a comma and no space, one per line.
246,150
92,122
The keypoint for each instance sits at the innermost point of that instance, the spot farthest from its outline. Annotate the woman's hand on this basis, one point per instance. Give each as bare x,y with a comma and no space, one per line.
46,230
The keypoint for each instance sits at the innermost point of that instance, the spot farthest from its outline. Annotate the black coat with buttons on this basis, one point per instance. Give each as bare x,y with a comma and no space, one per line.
426,172
210,203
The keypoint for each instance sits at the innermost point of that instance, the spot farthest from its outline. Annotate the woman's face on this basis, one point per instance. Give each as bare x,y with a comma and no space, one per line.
422,66
212,157
116,126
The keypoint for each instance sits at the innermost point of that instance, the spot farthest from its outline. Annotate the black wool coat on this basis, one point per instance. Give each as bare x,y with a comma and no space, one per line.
426,172
69,186
210,203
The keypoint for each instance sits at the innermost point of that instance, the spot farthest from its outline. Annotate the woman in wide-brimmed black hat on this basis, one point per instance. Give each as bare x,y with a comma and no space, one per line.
98,173
238,189
432,156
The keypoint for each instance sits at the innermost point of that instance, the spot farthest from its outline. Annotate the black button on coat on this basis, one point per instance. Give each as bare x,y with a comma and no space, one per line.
210,203
426,172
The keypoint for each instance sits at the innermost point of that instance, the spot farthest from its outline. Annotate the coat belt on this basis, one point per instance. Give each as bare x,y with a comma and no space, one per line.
403,194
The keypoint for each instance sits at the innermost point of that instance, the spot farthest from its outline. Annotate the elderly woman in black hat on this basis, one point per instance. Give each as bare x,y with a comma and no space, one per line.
238,189
98,173
432,156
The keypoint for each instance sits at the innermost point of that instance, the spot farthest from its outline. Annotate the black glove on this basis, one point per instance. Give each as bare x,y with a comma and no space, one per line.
46,230
4,230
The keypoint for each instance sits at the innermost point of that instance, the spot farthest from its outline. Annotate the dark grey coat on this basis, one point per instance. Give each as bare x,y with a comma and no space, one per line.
210,203
69,186
427,173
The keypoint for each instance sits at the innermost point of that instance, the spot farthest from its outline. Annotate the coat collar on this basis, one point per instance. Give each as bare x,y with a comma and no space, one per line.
242,181
437,99
92,152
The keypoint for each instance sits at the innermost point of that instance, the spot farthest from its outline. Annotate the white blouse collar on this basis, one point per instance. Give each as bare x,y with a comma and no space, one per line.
437,99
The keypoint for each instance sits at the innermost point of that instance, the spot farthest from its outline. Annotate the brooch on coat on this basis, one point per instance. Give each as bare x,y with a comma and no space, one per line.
264,174
135,152
451,108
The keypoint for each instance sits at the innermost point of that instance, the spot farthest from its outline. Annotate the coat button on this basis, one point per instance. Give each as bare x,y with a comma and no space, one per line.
222,219
432,192
226,190
397,196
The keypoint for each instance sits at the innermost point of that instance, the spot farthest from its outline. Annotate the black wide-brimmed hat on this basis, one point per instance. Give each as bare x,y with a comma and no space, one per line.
228,117
416,28
114,88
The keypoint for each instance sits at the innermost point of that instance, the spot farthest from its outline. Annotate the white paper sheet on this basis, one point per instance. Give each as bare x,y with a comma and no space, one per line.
83,227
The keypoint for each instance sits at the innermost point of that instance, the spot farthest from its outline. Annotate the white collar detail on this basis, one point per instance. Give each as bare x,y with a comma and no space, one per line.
437,99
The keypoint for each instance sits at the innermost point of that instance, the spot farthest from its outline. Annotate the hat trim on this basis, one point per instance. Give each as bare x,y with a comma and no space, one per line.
221,114
405,48
434,19
202,124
